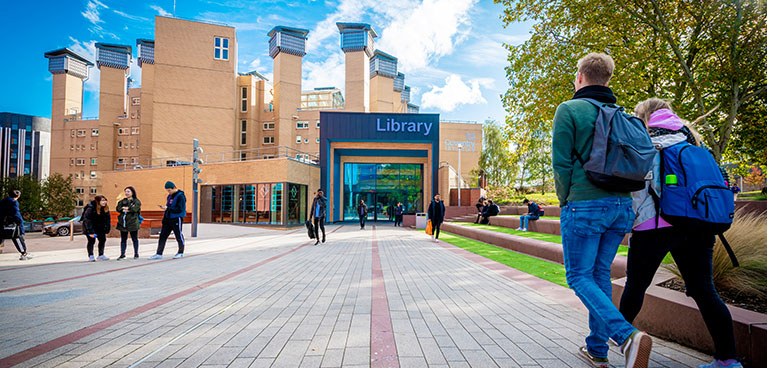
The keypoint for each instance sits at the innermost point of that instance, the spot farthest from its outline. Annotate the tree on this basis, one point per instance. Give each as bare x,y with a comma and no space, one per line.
706,57
59,195
755,177
495,157
749,141
534,158
30,204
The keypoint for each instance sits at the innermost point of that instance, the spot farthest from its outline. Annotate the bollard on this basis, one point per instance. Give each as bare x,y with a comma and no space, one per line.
71,230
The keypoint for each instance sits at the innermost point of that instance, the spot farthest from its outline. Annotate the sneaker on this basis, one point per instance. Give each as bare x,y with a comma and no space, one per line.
323,239
637,349
121,257
525,229
317,242
518,229
178,255
720,364
91,259
584,354
156,256
135,256
25,257
102,258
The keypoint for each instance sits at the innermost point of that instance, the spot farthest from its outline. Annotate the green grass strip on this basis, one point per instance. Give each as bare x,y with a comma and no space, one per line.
542,217
549,271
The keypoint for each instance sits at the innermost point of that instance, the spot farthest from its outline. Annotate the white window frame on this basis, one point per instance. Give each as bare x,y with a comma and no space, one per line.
81,132
80,162
136,101
221,48
80,190
71,162
302,125
123,131
93,174
318,124
267,157
135,131
318,140
94,132
94,161
93,190
244,99
119,144
269,139
306,140
298,139
269,126
79,203
72,132
243,132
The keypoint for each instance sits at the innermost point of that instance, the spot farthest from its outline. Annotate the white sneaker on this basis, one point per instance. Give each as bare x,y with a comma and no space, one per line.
26,257
519,229
102,258
156,256
91,259
178,255
525,229
637,350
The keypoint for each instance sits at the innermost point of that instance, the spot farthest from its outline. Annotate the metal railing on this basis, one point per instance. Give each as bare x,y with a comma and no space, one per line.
459,121
79,117
252,154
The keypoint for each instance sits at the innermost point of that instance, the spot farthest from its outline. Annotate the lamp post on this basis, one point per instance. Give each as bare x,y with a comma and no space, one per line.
196,170
460,179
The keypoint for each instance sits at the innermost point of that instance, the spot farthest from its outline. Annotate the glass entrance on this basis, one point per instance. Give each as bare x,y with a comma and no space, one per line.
382,186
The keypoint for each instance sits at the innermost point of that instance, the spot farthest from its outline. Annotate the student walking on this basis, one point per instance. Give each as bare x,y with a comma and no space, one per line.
172,220
128,223
594,220
653,237
362,212
398,212
11,217
318,212
96,225
436,213
533,213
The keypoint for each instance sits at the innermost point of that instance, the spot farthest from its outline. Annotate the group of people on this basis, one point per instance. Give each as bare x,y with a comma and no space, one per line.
96,221
594,221
486,209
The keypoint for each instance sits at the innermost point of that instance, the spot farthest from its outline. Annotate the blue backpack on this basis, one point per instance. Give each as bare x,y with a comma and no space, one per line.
694,196
622,153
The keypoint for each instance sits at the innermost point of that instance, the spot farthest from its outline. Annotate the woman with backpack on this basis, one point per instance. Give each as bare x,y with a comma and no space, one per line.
96,225
128,221
652,237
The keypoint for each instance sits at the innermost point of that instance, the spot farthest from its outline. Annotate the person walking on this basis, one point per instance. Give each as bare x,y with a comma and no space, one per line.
533,213
436,213
97,222
398,212
128,223
172,220
362,212
318,212
11,216
735,190
653,237
593,220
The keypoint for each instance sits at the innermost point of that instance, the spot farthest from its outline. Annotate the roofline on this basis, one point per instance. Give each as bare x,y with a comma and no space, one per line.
255,73
66,51
144,41
381,53
298,32
125,49
342,26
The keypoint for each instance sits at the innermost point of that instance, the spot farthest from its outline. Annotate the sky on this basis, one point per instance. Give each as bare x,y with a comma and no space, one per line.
451,51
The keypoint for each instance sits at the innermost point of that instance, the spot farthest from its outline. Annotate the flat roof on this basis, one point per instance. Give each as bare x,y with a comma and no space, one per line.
255,73
342,27
144,41
67,52
298,32
124,49
384,55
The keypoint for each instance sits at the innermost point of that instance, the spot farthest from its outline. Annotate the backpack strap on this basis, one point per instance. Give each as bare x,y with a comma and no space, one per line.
727,247
656,201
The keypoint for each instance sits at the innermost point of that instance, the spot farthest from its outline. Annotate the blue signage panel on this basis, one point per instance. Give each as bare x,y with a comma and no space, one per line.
374,127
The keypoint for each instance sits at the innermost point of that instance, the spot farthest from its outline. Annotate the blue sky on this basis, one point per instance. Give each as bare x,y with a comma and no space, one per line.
450,50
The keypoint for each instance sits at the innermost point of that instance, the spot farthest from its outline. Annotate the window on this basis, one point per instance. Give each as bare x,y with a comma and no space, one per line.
268,126
94,161
136,101
79,203
79,190
134,160
221,48
72,147
122,131
302,125
93,175
318,140
132,145
298,139
71,162
134,131
243,156
306,140
77,176
243,132
80,162
93,190
268,140
318,124
72,132
93,146
94,132
81,132
266,157
121,161
244,102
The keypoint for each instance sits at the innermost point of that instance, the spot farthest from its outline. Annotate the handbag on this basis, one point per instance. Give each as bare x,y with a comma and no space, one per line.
429,228
11,231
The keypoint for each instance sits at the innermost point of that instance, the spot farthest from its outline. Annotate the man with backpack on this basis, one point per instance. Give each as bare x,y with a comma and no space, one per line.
490,210
533,213
593,182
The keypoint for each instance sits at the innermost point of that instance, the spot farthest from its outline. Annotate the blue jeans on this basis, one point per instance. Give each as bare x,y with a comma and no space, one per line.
524,219
591,233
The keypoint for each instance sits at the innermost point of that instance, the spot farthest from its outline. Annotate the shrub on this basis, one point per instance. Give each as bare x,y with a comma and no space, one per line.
748,239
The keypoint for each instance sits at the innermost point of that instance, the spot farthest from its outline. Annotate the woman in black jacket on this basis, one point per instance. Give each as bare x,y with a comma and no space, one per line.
128,221
436,214
96,225
398,212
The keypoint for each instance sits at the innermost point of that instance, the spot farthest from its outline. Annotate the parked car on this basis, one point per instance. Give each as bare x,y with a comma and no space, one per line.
62,227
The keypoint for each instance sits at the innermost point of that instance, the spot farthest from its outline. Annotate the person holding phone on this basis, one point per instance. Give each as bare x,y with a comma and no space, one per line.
128,221
96,225
172,219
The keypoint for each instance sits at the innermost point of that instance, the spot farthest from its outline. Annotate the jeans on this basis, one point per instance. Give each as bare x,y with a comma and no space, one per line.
124,242
171,225
524,219
102,238
362,221
693,253
591,233
319,223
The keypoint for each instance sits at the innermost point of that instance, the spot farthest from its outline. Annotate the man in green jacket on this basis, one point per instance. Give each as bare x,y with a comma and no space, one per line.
593,221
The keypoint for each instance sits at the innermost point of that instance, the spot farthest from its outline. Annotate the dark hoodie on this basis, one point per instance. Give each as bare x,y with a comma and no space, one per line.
176,204
95,223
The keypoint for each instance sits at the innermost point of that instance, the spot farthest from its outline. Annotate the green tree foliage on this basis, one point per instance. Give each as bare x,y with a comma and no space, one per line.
707,57
59,195
495,158
31,203
534,159
749,141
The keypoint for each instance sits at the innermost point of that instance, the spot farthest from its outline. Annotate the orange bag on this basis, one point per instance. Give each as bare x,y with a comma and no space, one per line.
429,228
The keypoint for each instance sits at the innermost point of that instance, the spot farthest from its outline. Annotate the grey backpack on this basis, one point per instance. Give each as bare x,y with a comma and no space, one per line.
622,153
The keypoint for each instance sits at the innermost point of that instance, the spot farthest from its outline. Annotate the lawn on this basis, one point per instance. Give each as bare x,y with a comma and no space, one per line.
549,271
542,217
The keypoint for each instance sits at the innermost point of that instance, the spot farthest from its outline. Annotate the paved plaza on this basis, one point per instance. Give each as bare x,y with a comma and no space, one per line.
246,297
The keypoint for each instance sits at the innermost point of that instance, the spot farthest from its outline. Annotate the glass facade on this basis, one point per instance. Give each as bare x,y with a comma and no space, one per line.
381,186
262,203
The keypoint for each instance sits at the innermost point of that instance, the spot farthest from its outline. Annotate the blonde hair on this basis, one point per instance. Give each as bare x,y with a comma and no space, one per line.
644,109
596,67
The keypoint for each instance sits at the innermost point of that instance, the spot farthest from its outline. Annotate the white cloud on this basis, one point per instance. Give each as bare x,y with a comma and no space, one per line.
256,64
93,11
87,49
135,73
455,93
329,72
128,16
160,10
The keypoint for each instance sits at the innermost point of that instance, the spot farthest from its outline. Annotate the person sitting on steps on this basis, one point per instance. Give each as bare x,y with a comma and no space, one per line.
533,213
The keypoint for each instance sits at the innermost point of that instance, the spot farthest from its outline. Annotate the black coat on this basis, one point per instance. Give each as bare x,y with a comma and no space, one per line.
323,202
436,212
10,214
362,210
94,223
399,210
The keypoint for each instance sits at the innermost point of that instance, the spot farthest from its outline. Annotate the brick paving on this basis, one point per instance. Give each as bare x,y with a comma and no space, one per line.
266,298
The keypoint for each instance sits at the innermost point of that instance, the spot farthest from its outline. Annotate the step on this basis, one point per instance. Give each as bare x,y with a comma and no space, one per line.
544,226
534,247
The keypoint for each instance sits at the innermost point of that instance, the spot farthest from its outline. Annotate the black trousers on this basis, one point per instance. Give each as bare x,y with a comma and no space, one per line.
124,241
20,244
397,220
435,228
693,254
102,238
168,226
362,221
319,224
